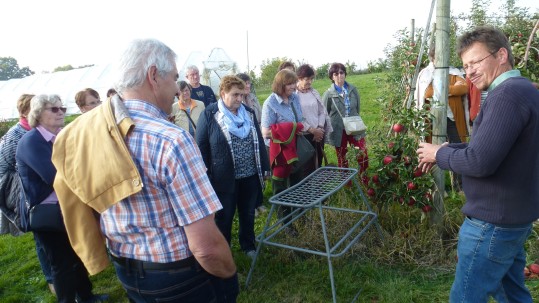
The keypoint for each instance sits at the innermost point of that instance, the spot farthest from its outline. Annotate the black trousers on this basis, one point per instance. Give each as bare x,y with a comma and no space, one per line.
70,277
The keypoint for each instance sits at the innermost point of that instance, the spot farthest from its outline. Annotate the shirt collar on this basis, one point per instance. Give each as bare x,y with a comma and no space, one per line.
142,106
291,98
503,77
193,105
49,137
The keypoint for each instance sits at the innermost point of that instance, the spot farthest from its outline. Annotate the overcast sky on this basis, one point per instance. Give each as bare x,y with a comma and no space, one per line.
46,34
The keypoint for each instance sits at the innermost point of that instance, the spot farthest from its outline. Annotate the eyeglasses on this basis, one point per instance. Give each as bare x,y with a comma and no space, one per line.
94,103
476,64
339,73
55,109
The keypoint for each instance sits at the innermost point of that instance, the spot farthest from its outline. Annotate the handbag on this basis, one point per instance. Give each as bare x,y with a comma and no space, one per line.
305,152
353,125
9,194
304,149
47,217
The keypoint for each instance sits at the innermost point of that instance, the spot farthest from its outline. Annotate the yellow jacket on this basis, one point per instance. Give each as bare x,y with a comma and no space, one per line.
94,171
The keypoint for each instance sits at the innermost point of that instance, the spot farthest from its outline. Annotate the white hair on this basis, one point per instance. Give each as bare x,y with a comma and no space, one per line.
140,55
192,68
37,105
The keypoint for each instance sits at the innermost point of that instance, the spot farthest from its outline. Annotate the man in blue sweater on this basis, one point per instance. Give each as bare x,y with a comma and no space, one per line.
500,173
199,91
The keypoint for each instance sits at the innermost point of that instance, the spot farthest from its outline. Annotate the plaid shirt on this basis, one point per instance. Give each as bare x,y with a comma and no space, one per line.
148,225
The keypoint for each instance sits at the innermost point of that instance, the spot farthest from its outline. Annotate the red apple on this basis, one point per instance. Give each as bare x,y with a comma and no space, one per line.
401,200
426,208
398,127
418,172
387,160
371,192
534,268
412,186
376,179
428,197
390,145
411,201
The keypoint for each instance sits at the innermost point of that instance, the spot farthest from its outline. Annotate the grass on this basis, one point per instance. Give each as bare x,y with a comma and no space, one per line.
410,264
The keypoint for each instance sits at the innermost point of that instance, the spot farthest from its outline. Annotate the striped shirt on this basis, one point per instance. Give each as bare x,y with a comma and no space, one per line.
148,225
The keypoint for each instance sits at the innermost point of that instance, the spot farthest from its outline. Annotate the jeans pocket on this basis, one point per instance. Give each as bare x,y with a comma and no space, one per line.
506,243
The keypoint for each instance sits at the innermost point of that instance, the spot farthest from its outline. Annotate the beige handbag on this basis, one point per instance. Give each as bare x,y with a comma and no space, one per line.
353,125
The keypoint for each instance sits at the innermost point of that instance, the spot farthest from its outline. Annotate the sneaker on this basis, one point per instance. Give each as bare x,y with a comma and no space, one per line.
251,254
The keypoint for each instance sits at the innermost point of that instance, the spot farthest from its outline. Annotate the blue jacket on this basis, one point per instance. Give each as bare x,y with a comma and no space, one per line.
217,154
35,166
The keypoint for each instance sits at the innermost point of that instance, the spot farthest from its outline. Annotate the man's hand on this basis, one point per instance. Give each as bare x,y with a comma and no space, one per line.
210,247
427,155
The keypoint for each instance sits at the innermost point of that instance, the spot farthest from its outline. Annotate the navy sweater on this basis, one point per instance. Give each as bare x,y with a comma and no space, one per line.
35,166
500,165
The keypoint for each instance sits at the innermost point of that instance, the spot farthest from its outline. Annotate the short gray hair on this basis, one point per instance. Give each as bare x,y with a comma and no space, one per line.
192,68
37,105
140,55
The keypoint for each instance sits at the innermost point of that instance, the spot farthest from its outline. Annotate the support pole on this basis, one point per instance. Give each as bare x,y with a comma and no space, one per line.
439,106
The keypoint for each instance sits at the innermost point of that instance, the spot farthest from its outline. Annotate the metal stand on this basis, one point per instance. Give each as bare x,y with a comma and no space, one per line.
310,194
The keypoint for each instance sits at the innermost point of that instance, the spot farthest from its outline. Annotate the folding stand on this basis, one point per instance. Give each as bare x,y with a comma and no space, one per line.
308,195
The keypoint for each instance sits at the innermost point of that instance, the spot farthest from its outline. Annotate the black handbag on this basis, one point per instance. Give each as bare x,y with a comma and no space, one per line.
9,194
47,217
305,152
304,149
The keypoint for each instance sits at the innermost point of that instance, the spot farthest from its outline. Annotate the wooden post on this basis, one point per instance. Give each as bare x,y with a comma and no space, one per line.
439,105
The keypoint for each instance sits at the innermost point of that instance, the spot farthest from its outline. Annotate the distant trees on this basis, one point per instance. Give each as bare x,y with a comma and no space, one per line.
69,67
9,69
63,68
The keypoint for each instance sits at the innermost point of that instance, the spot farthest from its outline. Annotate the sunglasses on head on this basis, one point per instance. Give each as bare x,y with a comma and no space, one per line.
55,109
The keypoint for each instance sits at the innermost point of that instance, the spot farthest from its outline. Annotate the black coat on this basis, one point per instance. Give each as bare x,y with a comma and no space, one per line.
216,151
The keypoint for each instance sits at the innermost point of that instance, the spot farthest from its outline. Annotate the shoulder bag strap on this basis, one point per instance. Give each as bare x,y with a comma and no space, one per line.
294,111
188,116
336,107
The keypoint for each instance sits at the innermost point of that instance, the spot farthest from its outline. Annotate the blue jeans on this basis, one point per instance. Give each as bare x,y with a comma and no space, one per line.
244,198
491,261
190,285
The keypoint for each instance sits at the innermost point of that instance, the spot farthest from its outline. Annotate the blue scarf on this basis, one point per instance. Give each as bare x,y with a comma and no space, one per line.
344,92
239,125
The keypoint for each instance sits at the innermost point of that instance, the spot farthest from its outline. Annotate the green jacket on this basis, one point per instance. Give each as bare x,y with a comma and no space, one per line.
331,98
